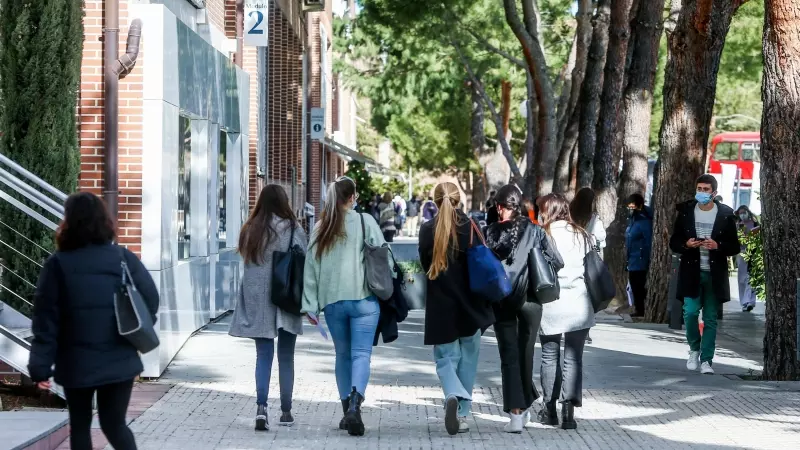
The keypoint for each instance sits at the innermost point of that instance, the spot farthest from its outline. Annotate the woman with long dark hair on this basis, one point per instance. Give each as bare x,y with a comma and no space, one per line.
335,283
271,227
75,326
570,316
454,318
517,317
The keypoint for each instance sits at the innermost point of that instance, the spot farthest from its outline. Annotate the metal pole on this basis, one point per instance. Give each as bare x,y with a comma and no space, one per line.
410,183
111,117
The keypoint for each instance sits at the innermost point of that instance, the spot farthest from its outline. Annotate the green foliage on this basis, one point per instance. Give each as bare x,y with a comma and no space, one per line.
411,267
754,256
41,43
359,174
738,81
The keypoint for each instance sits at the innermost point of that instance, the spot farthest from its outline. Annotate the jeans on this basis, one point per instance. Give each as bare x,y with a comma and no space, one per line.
112,406
516,340
638,281
569,379
265,351
456,365
706,343
352,324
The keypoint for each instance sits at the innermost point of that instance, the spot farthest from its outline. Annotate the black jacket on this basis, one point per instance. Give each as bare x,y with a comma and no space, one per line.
726,236
74,324
512,241
393,311
451,311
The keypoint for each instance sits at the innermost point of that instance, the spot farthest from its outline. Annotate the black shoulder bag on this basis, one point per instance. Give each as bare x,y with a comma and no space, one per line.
134,321
287,277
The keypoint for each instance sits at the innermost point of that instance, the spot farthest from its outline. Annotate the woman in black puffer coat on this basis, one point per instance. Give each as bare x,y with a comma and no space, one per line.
517,317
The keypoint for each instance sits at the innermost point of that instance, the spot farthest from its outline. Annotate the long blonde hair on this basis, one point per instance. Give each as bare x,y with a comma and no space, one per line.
331,227
445,240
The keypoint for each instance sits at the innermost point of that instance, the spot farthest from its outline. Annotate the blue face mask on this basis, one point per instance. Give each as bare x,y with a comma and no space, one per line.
703,198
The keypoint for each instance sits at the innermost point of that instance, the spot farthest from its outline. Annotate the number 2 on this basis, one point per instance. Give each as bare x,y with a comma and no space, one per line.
259,19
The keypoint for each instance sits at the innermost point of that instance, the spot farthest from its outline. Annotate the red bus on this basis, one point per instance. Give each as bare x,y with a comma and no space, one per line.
741,148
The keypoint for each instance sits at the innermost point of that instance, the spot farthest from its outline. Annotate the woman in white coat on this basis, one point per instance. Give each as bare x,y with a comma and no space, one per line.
571,316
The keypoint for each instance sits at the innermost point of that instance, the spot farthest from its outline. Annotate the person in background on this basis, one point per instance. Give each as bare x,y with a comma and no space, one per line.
388,217
583,212
75,326
491,210
705,236
570,316
412,220
454,318
747,224
429,210
638,242
335,283
517,317
374,207
401,208
271,227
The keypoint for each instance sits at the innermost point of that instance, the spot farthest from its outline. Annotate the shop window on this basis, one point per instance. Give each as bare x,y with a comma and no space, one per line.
222,188
184,186
726,151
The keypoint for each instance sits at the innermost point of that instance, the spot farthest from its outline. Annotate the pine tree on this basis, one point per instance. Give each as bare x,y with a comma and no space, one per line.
41,45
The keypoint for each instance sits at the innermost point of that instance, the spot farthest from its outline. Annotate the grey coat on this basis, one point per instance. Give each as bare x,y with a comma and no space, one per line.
255,315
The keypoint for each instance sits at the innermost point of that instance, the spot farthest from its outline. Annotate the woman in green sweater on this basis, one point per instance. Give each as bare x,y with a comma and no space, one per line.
334,283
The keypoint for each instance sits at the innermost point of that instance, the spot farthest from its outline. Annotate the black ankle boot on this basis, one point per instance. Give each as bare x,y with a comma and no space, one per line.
345,407
568,416
352,419
549,415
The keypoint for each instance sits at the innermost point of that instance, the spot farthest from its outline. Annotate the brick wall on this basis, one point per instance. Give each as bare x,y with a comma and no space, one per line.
323,18
216,13
91,123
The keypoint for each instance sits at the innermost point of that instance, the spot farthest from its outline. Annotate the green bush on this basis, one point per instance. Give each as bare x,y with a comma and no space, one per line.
754,256
411,267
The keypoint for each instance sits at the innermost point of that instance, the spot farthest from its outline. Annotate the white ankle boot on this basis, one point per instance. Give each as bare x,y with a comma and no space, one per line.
516,424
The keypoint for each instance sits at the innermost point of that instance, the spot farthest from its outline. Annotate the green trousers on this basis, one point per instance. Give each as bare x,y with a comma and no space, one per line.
706,302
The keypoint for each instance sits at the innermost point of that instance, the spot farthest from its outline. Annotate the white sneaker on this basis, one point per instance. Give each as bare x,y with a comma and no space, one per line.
463,426
706,368
516,424
526,417
694,361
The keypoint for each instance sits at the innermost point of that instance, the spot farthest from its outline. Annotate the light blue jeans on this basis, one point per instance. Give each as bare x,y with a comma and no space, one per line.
457,365
352,324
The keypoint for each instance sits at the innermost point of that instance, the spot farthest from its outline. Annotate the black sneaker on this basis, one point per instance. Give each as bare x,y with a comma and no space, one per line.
262,424
286,419
451,423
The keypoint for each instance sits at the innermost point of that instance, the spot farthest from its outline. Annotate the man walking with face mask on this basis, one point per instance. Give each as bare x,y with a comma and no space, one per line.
705,236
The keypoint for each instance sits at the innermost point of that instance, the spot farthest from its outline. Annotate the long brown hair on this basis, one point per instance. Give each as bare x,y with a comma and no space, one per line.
258,231
445,240
555,208
331,225
582,207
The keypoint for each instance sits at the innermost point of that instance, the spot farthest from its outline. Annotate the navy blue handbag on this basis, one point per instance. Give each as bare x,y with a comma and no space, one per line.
487,277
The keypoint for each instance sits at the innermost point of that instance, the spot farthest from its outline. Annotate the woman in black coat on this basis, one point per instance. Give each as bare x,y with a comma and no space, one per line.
518,316
75,327
454,318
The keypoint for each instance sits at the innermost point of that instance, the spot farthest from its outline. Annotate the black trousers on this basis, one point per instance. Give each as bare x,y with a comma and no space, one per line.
516,340
569,379
112,405
638,280
388,235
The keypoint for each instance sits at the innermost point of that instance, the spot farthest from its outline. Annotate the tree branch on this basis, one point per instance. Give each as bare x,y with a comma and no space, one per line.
485,43
498,121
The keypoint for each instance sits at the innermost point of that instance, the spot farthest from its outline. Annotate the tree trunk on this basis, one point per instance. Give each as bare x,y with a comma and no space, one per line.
583,38
563,179
690,87
478,142
605,166
634,130
531,157
590,94
780,175
537,66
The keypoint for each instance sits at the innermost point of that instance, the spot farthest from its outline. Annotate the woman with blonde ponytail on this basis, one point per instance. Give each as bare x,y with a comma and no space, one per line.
454,319
335,284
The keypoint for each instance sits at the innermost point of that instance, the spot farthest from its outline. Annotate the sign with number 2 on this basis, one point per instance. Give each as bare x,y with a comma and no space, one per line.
256,19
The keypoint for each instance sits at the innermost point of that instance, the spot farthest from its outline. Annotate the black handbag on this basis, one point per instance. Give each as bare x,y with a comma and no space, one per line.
134,321
599,282
543,277
287,277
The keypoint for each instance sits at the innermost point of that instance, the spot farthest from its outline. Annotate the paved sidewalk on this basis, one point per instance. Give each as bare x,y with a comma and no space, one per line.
638,395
